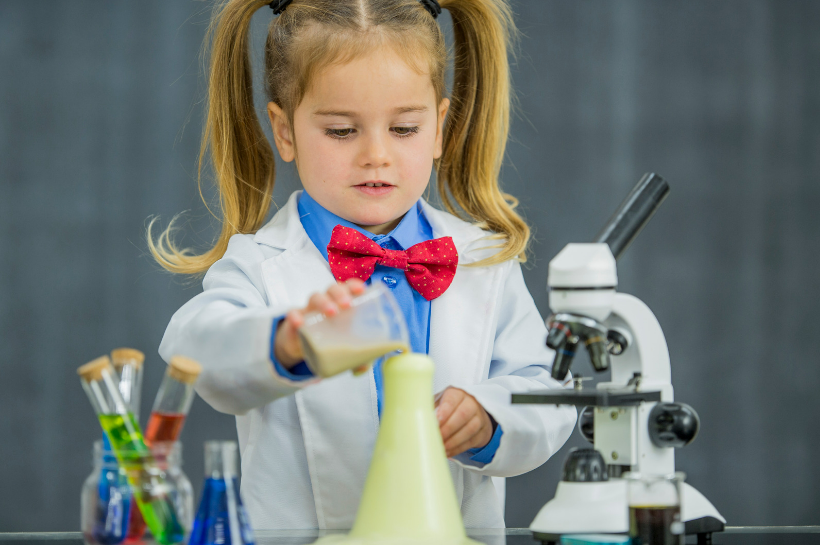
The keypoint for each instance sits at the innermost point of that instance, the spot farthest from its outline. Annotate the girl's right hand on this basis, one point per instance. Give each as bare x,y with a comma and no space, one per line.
286,346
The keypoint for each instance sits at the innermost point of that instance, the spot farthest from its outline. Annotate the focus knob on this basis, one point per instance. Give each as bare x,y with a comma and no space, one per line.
584,465
673,425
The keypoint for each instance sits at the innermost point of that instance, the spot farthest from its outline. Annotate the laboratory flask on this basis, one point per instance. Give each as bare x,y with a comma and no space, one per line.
221,518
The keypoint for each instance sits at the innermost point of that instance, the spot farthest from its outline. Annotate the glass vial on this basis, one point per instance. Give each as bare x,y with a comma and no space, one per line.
173,401
128,363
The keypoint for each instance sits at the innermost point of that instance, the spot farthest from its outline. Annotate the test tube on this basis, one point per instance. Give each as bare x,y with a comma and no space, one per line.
173,400
128,363
148,485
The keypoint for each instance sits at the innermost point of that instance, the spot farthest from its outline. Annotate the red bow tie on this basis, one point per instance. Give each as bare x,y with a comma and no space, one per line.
429,266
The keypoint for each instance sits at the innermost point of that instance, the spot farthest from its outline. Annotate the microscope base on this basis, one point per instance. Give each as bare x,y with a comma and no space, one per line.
601,508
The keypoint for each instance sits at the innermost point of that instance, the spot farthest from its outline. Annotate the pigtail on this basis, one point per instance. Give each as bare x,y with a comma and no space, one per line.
241,155
477,126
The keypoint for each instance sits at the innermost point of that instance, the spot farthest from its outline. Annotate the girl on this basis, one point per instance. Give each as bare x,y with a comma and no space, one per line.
357,99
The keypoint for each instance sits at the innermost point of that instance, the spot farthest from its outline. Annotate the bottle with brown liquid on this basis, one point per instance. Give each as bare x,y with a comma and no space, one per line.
654,509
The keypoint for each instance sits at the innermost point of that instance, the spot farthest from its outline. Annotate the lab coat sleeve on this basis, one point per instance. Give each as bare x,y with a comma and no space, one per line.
228,329
521,362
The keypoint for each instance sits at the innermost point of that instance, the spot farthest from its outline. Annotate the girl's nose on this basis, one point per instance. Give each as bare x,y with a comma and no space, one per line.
375,152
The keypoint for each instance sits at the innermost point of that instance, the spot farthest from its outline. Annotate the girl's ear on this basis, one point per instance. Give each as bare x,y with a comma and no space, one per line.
281,132
442,112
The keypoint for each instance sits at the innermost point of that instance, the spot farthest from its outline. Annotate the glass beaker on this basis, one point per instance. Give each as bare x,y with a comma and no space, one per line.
107,510
105,500
654,508
372,327
221,518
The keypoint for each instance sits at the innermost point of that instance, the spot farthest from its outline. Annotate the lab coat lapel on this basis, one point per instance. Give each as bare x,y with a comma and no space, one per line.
338,416
461,320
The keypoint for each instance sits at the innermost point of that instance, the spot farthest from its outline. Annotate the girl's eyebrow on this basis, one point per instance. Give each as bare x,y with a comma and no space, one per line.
342,113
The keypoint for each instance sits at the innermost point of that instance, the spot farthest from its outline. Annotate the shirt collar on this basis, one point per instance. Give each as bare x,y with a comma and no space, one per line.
319,223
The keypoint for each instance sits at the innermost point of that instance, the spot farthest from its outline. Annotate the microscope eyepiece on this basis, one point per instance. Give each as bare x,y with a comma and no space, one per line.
636,210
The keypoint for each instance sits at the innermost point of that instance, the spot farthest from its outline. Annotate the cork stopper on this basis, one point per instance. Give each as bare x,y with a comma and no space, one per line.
123,356
184,369
93,370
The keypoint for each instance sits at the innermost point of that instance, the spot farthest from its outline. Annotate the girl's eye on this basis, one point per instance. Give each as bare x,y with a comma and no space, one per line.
339,134
404,132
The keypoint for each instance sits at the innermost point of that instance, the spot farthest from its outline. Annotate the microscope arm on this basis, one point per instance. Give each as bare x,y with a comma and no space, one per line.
647,352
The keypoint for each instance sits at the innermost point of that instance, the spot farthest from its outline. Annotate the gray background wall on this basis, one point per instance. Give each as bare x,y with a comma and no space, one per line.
99,126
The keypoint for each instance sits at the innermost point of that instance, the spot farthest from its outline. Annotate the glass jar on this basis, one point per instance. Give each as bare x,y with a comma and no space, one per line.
105,500
655,508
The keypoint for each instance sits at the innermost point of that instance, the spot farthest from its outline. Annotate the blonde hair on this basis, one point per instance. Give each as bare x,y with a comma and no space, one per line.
312,34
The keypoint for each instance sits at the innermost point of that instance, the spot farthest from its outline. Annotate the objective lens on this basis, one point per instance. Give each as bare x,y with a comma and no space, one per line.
558,334
563,360
598,354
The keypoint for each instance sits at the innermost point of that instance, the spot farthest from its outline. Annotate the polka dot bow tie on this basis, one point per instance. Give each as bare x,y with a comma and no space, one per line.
429,266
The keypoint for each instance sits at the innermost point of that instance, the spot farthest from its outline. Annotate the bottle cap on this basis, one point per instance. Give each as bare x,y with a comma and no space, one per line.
184,369
123,356
93,370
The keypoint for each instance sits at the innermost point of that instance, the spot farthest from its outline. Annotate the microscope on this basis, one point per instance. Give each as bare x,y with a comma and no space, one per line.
632,420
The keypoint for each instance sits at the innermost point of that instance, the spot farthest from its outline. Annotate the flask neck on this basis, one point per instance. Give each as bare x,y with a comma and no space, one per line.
220,459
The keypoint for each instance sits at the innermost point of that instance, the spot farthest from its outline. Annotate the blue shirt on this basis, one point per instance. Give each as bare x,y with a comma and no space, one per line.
414,228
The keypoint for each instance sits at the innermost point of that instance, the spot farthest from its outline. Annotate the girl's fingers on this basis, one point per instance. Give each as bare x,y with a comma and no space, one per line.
320,302
462,414
447,403
355,285
466,436
340,294
295,318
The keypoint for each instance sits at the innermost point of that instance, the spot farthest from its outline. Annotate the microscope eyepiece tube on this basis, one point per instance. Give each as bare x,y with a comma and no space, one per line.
634,213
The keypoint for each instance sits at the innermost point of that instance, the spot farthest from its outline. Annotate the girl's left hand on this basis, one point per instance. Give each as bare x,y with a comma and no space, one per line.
463,422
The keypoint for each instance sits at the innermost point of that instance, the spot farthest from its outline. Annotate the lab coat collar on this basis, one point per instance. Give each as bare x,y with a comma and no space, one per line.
319,222
285,231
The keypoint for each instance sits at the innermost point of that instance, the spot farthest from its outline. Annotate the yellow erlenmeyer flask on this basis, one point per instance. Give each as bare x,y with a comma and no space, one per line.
408,497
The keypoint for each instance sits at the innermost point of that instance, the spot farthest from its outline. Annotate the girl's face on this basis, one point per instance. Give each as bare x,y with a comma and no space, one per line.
366,134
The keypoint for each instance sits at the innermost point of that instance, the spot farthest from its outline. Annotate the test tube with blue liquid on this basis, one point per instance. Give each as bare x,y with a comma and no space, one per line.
221,518
149,488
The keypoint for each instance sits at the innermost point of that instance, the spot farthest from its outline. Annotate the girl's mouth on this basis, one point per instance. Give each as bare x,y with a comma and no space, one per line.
375,188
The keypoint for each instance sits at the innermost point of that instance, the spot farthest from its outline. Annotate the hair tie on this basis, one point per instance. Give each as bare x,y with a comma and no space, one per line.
432,6
278,6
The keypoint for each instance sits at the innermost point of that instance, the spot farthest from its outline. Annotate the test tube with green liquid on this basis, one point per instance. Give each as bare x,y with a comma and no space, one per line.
148,485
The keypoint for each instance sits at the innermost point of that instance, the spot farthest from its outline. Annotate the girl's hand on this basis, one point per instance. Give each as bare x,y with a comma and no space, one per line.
286,346
463,422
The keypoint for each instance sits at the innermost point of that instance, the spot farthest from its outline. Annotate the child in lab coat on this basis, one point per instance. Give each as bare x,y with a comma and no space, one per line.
357,99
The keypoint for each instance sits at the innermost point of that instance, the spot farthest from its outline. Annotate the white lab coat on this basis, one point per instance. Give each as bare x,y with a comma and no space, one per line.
306,446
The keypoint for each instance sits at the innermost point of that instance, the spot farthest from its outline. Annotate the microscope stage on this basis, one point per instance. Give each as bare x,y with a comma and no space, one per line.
583,398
